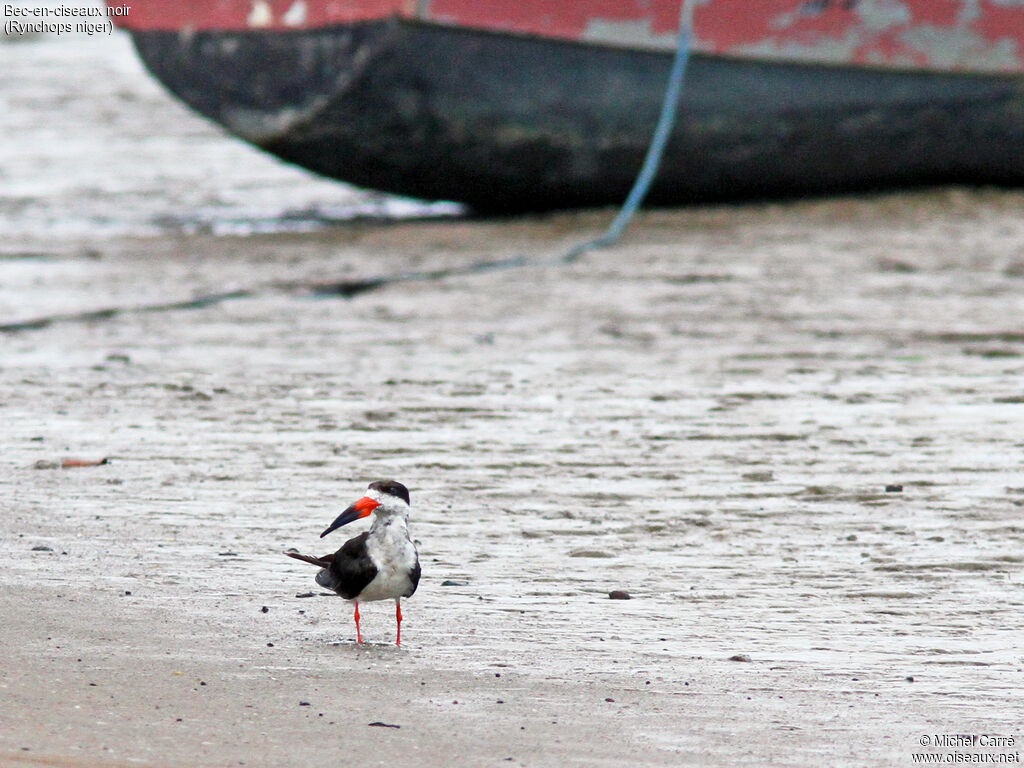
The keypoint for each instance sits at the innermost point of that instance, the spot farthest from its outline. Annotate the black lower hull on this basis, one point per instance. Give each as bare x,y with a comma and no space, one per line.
509,123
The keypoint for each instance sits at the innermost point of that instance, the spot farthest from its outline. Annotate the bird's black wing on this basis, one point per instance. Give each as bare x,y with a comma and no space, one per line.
351,569
414,577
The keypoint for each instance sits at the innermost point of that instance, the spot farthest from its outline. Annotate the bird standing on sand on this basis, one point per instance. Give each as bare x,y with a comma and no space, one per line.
380,564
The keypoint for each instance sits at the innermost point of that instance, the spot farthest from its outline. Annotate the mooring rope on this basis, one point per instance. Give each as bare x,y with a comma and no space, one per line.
353,287
662,131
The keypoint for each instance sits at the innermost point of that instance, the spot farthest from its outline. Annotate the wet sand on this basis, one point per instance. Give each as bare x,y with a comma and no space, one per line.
707,417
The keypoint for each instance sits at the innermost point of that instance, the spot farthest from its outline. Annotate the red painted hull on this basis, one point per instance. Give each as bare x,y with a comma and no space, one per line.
939,35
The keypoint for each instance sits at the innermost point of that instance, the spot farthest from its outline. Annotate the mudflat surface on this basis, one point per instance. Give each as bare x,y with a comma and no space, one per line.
706,417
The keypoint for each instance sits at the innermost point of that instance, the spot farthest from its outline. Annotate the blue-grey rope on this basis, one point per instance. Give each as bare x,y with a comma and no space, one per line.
662,131
349,288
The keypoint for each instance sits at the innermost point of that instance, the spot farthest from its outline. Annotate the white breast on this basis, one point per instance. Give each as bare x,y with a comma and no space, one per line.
393,553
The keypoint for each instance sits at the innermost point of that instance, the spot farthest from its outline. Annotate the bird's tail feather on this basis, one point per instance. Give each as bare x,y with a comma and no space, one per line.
323,562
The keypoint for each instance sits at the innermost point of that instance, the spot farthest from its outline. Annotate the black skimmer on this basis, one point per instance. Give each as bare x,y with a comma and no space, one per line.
380,564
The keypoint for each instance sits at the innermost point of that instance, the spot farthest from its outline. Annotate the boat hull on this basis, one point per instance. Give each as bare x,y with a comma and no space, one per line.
507,122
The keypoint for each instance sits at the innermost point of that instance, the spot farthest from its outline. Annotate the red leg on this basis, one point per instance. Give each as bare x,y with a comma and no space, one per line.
398,615
359,635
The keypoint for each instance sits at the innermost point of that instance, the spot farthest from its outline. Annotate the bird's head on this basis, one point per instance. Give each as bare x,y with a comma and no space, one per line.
383,498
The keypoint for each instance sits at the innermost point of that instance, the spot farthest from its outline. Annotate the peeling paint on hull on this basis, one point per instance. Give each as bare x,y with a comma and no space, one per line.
943,35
